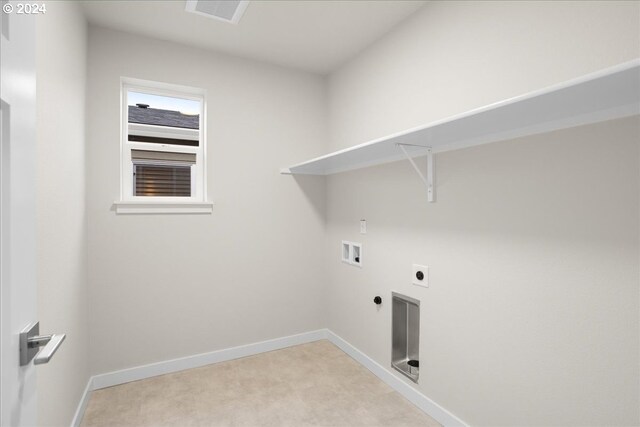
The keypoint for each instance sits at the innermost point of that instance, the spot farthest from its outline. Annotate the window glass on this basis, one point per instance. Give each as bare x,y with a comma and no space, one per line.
163,147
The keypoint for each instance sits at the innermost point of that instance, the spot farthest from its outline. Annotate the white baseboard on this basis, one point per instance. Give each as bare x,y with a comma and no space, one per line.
175,365
84,400
109,379
427,405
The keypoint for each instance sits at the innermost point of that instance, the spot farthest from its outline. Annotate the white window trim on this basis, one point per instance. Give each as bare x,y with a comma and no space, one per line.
168,131
129,204
164,207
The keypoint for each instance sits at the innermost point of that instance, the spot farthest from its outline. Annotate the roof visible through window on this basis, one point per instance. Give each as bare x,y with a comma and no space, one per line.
163,110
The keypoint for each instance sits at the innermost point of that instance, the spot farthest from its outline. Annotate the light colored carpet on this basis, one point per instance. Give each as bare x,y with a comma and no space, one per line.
313,384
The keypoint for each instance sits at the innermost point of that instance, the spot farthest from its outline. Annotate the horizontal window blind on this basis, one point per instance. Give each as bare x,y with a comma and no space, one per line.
162,180
162,173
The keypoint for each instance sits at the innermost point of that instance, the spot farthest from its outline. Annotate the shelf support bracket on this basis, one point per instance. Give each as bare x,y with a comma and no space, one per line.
428,180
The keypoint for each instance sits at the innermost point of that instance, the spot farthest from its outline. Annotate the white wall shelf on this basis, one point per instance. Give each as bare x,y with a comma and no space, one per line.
604,95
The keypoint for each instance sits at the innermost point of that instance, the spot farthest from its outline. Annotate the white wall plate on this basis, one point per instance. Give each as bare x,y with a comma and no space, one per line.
420,275
351,253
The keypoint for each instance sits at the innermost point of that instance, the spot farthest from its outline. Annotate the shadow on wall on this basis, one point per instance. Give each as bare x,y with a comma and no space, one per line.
314,189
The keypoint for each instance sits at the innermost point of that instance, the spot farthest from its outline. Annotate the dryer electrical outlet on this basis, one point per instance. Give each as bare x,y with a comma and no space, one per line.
420,275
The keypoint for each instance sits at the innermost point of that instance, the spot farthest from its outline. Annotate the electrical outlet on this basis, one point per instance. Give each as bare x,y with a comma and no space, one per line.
420,275
363,226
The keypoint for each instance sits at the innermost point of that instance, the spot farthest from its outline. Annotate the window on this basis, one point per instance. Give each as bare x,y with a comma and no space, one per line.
163,148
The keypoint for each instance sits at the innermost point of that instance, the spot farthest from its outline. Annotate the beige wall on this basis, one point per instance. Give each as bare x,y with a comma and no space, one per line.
532,317
62,222
532,314
451,57
165,286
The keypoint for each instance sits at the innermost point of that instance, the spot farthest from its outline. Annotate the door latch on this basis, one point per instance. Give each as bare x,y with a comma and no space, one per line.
31,341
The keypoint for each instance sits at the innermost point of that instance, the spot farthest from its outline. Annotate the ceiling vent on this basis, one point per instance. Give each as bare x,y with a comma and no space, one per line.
225,10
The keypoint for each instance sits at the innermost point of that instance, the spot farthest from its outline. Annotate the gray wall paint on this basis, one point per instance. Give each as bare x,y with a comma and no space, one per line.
165,286
61,216
532,314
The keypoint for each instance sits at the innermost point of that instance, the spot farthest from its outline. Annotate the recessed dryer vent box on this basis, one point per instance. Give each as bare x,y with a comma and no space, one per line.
405,335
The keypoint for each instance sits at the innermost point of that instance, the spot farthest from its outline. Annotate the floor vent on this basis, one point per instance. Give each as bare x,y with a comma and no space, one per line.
225,10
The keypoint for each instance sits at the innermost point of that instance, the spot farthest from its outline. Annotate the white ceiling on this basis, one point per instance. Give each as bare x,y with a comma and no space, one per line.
315,36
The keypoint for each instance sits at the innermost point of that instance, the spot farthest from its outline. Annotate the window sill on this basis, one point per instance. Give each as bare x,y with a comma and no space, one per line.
144,207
